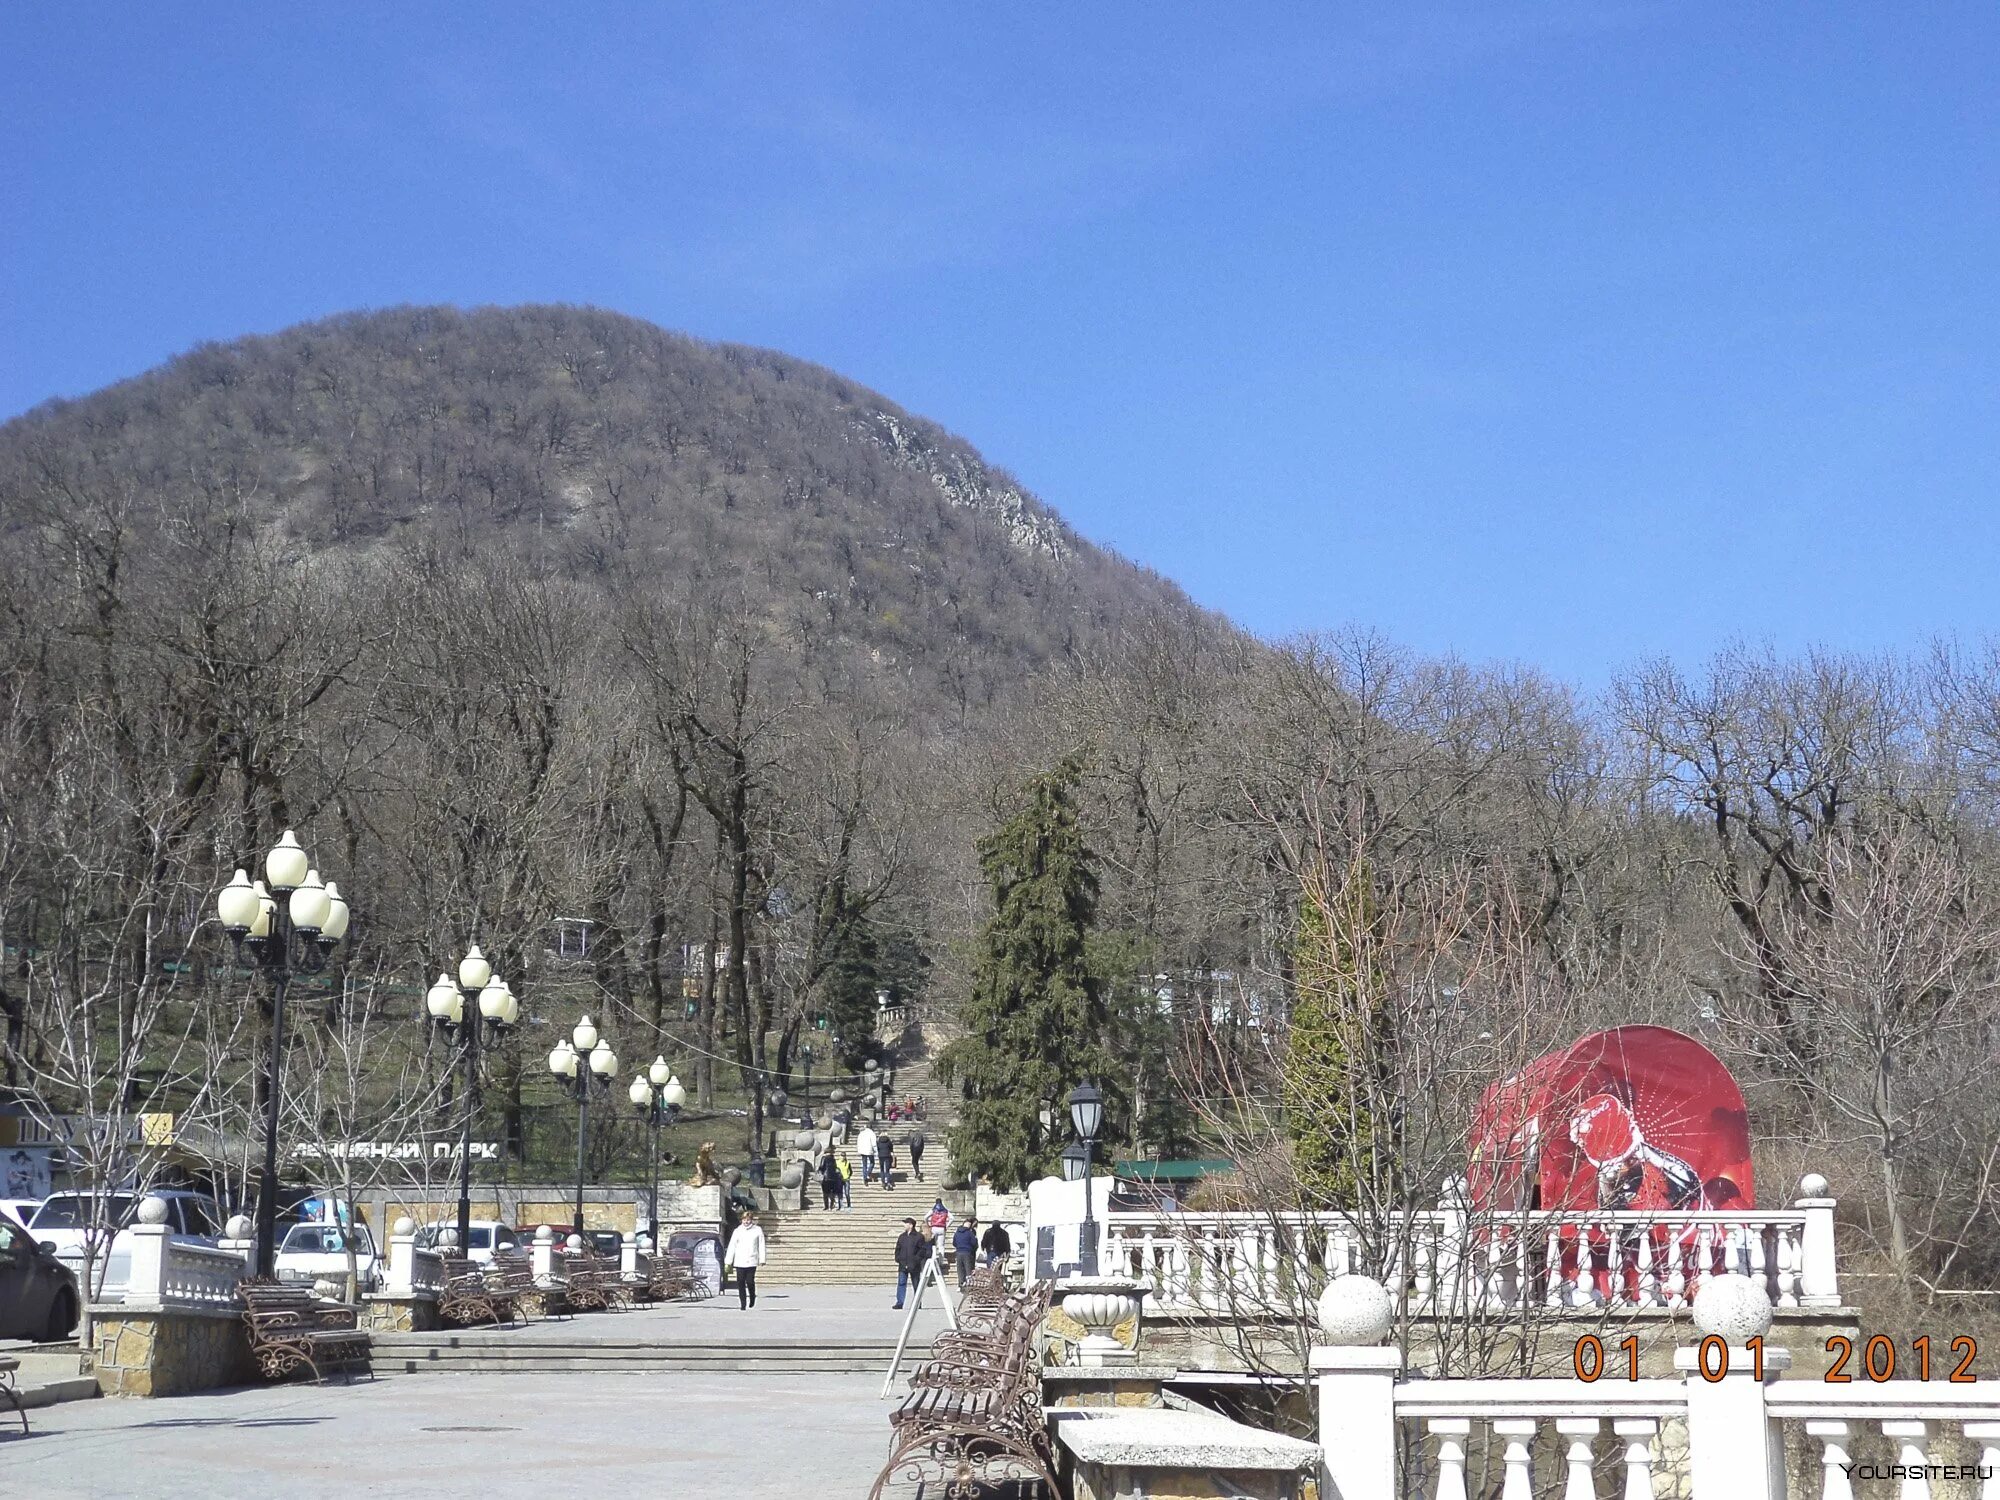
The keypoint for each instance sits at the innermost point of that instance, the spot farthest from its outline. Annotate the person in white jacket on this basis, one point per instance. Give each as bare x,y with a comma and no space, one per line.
864,1143
744,1255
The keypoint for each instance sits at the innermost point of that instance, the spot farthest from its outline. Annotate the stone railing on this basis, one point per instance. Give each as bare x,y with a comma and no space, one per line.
1383,1437
1453,1259
166,1272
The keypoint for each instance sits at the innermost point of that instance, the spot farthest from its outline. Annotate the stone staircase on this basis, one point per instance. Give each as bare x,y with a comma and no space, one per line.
857,1247
505,1351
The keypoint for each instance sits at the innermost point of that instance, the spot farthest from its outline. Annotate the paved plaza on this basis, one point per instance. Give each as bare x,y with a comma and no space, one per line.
693,1433
686,1434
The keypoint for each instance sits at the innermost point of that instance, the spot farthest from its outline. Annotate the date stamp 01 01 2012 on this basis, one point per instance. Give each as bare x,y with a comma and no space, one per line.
1876,1359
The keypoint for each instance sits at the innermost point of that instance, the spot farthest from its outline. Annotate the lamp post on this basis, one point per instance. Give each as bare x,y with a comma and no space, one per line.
464,1007
579,1060
289,925
658,1096
806,1057
1086,1114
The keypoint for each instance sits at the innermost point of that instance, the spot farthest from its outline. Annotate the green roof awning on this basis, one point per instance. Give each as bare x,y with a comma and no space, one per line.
1173,1171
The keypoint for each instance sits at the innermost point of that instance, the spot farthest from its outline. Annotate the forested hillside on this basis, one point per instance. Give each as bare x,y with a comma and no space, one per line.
605,445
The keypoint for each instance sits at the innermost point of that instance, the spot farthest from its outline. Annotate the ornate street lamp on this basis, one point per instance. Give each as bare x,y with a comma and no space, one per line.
289,926
584,1058
1086,1113
464,1007
658,1096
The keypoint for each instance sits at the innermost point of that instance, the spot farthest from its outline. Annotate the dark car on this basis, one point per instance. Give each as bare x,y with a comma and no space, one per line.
38,1297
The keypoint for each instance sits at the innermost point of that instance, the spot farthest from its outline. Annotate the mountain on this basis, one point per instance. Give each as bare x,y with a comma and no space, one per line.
603,442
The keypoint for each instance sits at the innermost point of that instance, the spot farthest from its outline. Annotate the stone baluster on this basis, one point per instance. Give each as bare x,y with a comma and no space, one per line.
1553,1273
147,1282
1453,1264
1987,1435
542,1256
1354,1380
1580,1433
1735,1447
628,1256
1834,1483
401,1278
1451,1433
1518,1432
1912,1440
1637,1433
1819,1275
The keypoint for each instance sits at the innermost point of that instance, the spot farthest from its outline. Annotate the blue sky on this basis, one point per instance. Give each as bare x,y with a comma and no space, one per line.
1568,334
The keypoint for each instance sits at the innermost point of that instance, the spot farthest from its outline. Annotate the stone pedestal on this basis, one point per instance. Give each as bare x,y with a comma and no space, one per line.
159,1351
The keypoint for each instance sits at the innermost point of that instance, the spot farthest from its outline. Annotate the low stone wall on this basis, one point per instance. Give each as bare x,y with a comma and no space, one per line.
142,1351
383,1313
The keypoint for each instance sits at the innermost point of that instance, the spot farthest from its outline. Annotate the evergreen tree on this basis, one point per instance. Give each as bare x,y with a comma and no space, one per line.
853,976
1037,1020
1330,1076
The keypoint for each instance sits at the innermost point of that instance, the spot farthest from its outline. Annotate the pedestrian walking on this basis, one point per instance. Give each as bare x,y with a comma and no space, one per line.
744,1255
846,1182
939,1218
865,1144
963,1244
910,1252
995,1244
829,1181
885,1159
917,1144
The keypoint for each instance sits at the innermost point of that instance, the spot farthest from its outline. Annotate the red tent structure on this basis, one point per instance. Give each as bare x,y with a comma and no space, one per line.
1639,1117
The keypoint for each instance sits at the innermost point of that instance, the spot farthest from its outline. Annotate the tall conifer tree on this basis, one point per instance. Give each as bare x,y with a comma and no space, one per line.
1037,1022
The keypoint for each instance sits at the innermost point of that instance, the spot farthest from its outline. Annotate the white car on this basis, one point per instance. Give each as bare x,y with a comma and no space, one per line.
487,1235
318,1252
61,1220
20,1210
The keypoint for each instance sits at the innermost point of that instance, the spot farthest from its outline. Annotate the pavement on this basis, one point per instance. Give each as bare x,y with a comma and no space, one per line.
498,1436
694,1433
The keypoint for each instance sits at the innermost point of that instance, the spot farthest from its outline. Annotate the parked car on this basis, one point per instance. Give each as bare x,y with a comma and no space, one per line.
62,1222
20,1210
318,1252
486,1235
38,1295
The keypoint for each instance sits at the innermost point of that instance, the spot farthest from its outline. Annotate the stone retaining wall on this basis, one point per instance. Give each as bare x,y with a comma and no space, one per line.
159,1352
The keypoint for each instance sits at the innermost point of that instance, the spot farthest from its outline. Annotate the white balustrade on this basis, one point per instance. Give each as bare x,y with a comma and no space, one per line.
168,1272
1453,1258
1485,1437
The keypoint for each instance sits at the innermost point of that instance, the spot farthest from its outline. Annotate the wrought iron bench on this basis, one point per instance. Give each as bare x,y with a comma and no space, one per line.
8,1365
470,1296
290,1331
595,1284
973,1419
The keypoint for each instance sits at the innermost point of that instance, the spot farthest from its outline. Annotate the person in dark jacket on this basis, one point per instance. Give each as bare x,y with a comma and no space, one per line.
911,1248
963,1243
830,1181
994,1244
917,1144
885,1159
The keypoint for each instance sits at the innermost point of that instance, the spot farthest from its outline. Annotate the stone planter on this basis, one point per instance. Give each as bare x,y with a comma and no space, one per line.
1100,1306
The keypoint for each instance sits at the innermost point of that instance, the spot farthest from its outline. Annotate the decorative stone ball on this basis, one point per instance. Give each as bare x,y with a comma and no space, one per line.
574,1242
793,1175
1812,1185
1356,1310
448,1238
545,1235
152,1209
802,1140
239,1227
1733,1308
644,1242
404,1225
838,1096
